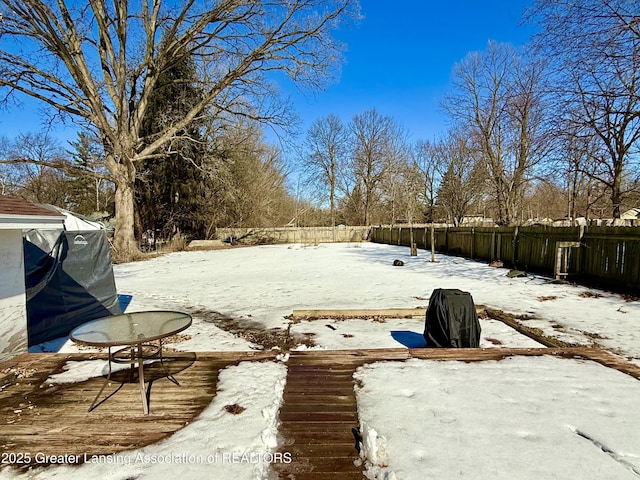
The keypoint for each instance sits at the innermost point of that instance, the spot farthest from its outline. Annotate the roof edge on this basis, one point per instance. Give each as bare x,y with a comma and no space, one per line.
23,222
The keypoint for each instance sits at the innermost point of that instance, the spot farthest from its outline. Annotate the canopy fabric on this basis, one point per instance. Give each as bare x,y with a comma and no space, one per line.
69,280
74,222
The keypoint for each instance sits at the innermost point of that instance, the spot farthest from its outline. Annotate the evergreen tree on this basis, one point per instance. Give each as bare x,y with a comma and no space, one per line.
168,185
90,189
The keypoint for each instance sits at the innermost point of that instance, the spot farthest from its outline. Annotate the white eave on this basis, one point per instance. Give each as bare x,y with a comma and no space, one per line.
26,222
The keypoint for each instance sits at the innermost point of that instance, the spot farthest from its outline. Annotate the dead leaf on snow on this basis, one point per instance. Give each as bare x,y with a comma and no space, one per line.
547,298
234,409
588,294
630,298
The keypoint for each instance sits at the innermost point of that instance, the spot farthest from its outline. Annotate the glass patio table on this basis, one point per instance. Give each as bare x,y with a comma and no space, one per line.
134,332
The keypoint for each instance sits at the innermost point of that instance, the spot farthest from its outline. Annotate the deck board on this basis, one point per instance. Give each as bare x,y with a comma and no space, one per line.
38,418
317,414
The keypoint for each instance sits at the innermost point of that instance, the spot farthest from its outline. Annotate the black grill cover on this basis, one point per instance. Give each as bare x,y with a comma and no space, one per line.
451,320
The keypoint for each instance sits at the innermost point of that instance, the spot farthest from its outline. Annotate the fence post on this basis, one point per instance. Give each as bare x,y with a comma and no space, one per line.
515,247
473,242
493,244
446,238
581,252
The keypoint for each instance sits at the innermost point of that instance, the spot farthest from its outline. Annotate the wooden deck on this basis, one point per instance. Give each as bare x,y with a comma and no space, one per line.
49,419
317,416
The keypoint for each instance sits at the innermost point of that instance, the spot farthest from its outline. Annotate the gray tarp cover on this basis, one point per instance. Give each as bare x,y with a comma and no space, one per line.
451,320
69,281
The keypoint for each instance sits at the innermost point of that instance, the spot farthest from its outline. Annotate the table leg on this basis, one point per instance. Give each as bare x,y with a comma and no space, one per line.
143,393
164,367
104,384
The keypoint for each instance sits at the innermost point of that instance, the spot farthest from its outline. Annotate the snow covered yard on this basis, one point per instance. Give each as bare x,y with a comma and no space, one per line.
265,284
522,417
533,417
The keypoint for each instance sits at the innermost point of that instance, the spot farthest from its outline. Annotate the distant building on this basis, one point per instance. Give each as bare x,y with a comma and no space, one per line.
477,220
633,214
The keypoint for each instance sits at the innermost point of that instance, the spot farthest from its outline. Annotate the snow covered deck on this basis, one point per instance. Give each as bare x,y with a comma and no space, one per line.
511,409
44,413
45,417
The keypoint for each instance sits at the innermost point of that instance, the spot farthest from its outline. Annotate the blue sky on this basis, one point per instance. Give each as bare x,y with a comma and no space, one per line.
398,61
400,56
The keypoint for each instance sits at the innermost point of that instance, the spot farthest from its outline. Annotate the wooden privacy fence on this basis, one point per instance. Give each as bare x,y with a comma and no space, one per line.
308,235
605,256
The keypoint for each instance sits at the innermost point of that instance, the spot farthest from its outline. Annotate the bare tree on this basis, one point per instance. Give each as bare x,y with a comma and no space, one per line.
412,197
547,200
463,176
33,160
7,172
245,181
427,163
497,97
595,48
90,192
396,196
372,135
327,146
582,27
575,165
98,63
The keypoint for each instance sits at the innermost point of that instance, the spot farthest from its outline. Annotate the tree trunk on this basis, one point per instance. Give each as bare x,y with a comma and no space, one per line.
332,201
616,200
124,242
616,187
365,219
500,203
